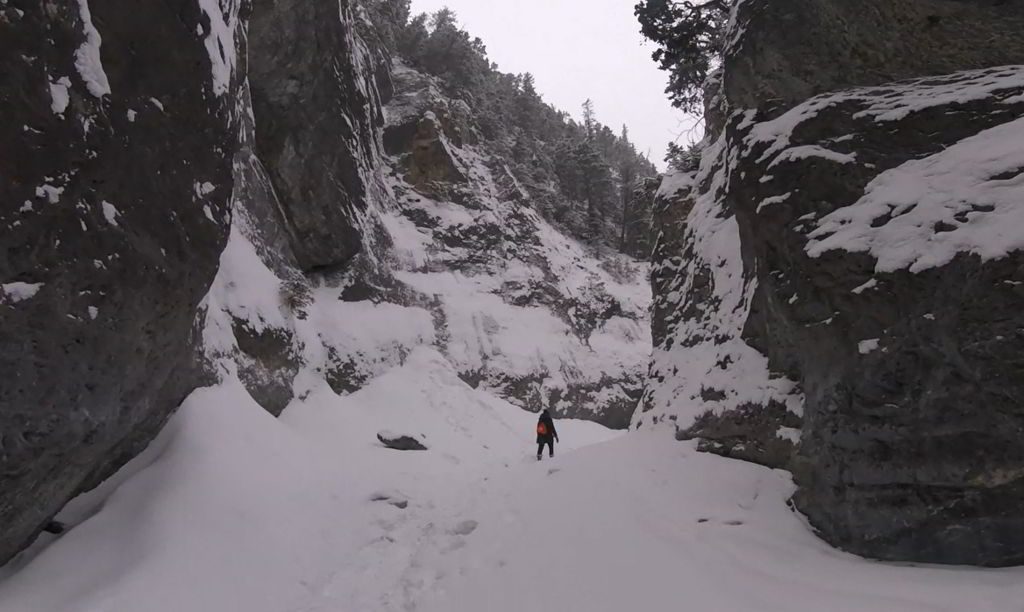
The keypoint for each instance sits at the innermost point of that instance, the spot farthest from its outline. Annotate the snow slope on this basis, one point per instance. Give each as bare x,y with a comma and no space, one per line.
234,510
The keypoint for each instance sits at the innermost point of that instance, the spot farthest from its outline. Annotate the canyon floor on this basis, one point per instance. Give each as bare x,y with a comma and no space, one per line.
231,509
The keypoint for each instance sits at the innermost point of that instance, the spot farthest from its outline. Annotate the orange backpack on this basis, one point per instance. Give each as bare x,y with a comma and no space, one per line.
542,429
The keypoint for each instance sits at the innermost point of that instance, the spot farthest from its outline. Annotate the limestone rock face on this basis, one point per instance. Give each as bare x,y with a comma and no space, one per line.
307,183
317,91
883,226
835,284
705,380
517,306
115,179
787,51
835,293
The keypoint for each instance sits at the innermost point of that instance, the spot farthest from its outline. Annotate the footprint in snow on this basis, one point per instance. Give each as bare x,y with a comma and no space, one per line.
732,523
465,528
393,498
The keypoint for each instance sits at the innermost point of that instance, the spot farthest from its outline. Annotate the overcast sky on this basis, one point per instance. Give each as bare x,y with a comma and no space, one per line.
578,49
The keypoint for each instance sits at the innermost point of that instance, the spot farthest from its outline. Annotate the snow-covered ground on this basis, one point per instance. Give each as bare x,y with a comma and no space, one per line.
233,510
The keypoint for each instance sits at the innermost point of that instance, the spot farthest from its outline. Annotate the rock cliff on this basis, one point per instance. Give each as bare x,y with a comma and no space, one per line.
268,201
834,285
115,180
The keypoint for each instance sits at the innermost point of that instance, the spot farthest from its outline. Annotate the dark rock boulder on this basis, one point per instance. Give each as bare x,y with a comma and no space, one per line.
115,178
401,442
317,115
789,50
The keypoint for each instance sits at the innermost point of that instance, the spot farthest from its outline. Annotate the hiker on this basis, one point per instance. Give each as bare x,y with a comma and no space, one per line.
546,434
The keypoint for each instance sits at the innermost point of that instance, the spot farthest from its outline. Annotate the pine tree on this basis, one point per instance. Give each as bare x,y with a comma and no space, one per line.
580,174
691,38
627,186
589,118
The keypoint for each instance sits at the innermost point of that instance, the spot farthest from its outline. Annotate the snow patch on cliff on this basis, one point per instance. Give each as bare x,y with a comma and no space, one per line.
922,214
59,97
891,102
19,292
87,57
220,41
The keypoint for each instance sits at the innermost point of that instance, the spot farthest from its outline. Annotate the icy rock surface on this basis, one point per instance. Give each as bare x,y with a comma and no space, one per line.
452,256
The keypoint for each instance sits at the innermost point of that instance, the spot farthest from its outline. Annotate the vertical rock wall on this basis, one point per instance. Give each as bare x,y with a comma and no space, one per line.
840,301
115,177
317,91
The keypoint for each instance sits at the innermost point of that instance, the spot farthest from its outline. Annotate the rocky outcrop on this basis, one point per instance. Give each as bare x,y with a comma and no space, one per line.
517,306
881,224
308,184
114,199
834,285
706,380
317,90
785,52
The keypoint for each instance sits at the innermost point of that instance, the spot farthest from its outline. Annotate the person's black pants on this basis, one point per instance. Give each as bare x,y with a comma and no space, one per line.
551,447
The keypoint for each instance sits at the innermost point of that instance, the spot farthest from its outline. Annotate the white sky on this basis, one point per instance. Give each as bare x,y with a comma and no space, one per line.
578,49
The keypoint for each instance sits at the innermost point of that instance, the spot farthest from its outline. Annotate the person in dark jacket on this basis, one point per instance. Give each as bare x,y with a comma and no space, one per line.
546,434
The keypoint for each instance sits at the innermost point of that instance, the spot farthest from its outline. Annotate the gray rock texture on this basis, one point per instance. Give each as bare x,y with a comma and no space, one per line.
115,179
307,179
317,101
267,357
911,447
705,380
790,50
874,352
476,221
